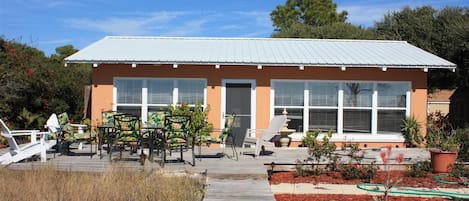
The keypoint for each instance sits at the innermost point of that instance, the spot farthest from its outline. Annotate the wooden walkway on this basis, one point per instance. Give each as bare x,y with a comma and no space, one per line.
228,179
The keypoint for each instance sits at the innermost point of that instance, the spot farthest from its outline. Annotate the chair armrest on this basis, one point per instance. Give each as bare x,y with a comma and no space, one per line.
23,132
79,125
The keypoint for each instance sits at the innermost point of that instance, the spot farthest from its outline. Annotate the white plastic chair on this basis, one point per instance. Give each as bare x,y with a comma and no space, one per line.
17,153
266,135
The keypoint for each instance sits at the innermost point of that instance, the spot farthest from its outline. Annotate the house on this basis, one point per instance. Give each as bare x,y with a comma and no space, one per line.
439,100
361,89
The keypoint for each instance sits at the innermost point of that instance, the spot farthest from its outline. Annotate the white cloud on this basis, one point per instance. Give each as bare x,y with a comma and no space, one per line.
57,41
130,24
193,27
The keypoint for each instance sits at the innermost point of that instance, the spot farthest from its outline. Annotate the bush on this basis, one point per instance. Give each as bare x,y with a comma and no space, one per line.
357,171
419,169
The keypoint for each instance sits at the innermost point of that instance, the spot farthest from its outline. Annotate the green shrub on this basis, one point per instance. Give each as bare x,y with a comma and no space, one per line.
419,169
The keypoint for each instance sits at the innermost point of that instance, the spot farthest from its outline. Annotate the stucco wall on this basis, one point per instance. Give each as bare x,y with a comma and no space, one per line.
102,79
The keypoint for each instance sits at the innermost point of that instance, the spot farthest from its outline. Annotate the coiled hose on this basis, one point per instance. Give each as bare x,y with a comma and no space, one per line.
438,178
379,188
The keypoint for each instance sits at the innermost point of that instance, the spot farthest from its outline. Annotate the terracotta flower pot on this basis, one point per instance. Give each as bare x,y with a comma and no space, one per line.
442,160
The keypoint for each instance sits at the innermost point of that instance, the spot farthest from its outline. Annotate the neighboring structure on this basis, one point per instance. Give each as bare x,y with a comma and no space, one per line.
459,108
361,89
439,100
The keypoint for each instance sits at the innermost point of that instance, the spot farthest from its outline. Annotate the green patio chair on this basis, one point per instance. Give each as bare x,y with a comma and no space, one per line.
107,131
178,135
74,133
127,132
225,135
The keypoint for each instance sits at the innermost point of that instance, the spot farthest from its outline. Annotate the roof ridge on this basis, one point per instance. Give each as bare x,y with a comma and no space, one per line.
258,39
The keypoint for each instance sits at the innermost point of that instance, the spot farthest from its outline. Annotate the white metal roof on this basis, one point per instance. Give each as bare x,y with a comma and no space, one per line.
258,51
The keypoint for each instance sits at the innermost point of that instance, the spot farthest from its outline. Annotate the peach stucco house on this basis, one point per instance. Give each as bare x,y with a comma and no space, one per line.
362,89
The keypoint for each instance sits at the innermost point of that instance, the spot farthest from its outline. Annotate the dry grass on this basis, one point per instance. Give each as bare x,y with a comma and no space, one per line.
117,184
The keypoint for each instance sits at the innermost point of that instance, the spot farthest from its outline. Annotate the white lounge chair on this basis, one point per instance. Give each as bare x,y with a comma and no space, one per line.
17,153
266,135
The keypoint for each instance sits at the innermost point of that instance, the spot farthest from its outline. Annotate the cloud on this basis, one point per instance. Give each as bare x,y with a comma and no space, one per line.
57,41
190,28
180,23
126,24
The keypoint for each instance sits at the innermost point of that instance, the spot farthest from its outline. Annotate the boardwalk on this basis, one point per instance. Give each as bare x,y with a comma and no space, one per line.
228,179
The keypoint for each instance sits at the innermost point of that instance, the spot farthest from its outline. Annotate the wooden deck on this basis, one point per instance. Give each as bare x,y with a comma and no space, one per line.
228,178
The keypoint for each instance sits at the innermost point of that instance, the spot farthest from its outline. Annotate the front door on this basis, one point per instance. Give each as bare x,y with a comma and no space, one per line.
239,99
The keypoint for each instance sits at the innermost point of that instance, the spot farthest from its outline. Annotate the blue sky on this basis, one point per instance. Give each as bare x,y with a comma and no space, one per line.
47,24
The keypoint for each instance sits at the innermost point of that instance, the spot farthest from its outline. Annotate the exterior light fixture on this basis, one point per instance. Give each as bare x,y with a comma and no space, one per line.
343,68
65,64
175,65
95,65
301,67
259,67
384,69
134,65
425,70
217,66
454,70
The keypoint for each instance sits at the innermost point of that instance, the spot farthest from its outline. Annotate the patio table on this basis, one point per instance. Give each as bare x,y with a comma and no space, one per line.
156,134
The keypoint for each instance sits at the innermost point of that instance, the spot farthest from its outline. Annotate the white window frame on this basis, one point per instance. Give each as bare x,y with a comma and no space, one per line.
144,105
340,107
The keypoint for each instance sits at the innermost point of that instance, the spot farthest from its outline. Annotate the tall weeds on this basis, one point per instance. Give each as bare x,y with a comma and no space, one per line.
117,184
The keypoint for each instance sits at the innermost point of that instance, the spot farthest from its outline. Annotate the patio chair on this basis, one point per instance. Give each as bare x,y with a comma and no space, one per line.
16,152
266,136
178,136
127,132
107,131
74,133
225,134
55,130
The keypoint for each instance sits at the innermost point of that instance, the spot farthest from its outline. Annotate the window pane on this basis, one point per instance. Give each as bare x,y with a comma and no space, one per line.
357,94
392,95
129,91
358,121
323,119
191,91
289,93
130,110
160,91
390,121
295,116
323,94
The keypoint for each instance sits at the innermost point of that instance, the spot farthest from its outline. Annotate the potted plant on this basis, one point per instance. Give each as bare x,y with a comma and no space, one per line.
411,131
443,142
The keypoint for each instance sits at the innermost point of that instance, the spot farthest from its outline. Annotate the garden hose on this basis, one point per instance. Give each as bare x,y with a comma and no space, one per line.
438,178
378,188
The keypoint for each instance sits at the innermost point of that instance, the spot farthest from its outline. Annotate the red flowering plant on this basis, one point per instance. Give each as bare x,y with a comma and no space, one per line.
390,182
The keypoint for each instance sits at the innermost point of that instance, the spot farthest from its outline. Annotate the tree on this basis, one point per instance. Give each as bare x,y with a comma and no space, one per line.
314,19
34,86
307,12
441,32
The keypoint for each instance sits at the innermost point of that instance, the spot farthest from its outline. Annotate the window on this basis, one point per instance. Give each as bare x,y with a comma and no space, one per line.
191,91
357,107
323,102
139,96
391,106
364,107
160,91
290,96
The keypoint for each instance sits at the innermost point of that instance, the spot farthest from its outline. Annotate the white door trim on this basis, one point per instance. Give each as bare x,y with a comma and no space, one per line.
253,99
